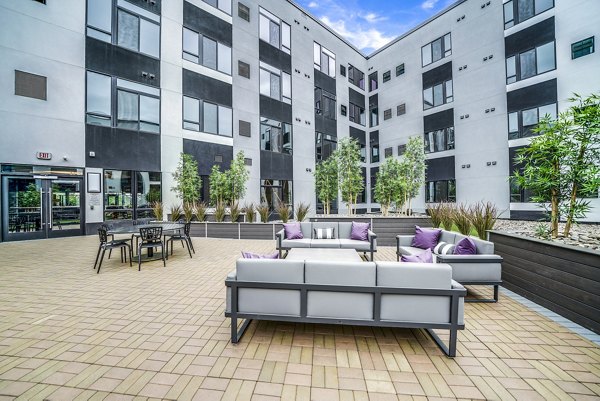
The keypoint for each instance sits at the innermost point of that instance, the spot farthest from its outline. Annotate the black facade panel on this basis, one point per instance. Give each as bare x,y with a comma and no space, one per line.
276,166
440,169
206,88
528,38
325,125
274,57
356,97
122,149
437,75
271,108
373,101
207,24
359,135
147,5
532,96
113,60
440,120
324,82
512,166
205,153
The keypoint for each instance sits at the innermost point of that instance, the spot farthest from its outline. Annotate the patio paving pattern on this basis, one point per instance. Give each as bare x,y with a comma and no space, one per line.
67,333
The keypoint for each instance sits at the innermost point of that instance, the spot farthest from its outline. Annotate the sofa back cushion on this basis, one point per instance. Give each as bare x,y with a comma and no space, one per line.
293,231
270,270
344,229
448,236
306,228
346,305
324,224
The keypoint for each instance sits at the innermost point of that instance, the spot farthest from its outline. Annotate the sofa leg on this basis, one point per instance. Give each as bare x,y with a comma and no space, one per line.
496,293
484,300
449,350
236,334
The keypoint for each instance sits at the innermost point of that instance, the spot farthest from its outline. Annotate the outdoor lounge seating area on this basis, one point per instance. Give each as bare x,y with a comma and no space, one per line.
160,333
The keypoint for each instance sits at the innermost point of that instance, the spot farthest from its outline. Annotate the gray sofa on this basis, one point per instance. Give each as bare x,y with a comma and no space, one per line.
342,238
484,268
383,294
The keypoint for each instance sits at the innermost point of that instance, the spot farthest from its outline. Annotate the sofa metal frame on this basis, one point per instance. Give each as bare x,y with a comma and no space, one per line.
453,326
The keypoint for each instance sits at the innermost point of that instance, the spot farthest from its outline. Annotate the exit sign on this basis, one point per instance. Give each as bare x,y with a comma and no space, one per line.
44,155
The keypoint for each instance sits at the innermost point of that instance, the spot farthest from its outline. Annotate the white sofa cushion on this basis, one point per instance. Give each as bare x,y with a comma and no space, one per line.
355,244
296,243
325,243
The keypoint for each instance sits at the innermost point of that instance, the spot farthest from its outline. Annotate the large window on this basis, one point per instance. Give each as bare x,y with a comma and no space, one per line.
325,104
438,94
223,5
530,63
137,105
206,51
137,29
373,81
356,114
205,116
275,83
439,140
325,146
440,191
375,153
130,194
356,77
374,117
517,11
276,191
275,136
324,60
521,123
274,31
436,50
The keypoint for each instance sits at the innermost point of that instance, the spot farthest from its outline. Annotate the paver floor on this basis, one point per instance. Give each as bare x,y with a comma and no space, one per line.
67,333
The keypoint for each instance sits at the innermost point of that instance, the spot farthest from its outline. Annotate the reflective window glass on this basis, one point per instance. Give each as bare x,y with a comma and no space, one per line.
549,110
128,30
99,14
545,58
527,64
149,114
209,53
190,42
209,117
98,94
224,56
127,110
265,82
225,121
149,38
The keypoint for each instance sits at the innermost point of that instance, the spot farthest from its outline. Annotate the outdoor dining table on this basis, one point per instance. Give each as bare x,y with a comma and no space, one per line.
168,228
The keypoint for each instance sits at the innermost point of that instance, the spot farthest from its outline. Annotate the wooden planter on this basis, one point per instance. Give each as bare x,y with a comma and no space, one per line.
562,278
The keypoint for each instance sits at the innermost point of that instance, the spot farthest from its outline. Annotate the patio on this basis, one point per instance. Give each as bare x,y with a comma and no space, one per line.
67,333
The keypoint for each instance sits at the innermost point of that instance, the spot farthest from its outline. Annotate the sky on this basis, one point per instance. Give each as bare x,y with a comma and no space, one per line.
371,24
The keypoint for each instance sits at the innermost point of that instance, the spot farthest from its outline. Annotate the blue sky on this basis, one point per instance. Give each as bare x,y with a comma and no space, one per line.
370,24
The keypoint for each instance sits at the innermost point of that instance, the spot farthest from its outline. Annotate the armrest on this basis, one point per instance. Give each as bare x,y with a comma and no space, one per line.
468,259
404,240
280,233
231,276
457,286
372,239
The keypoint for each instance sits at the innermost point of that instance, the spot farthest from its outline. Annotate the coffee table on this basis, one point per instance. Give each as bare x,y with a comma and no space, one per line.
344,255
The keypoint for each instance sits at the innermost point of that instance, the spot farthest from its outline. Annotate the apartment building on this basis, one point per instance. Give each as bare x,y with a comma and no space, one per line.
98,99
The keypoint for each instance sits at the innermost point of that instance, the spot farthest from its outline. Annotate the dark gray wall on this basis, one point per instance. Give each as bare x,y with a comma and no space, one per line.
274,57
276,166
440,169
528,38
205,153
359,135
532,96
356,97
207,24
437,75
325,82
440,120
206,88
271,108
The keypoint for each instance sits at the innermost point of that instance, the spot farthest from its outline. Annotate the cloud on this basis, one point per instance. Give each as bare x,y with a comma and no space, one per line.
428,4
363,38
373,17
313,4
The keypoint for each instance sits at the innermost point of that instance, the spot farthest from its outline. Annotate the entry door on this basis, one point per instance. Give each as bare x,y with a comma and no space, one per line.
35,208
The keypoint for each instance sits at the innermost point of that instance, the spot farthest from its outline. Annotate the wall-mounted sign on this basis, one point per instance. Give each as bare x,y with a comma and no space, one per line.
44,155
94,183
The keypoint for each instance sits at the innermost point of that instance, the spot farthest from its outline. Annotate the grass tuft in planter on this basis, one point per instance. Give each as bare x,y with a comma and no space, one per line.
264,212
220,212
200,211
302,210
462,217
249,210
175,212
483,218
234,212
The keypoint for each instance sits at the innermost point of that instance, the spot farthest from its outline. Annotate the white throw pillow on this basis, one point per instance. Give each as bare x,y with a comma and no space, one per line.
444,248
325,233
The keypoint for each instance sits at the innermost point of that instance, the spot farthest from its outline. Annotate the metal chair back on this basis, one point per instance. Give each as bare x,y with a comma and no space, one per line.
103,234
151,234
186,229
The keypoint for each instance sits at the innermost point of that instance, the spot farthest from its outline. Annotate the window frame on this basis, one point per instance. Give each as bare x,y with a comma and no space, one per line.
523,131
199,58
351,73
320,140
581,43
450,188
516,19
445,52
449,140
447,98
400,69
373,81
263,13
130,9
280,74
320,96
324,53
266,121
387,76
517,63
352,109
200,122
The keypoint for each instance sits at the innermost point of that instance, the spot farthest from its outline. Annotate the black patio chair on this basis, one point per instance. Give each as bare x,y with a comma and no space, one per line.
151,238
183,237
105,243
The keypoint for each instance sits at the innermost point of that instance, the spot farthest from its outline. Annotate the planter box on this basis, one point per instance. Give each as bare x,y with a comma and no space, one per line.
386,228
223,230
257,231
562,278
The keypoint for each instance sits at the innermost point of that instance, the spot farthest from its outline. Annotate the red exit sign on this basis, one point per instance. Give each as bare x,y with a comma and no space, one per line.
44,155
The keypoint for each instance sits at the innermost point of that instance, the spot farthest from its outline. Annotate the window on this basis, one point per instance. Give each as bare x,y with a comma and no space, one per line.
276,191
530,63
357,114
203,50
324,60
356,77
436,50
223,5
244,12
243,69
275,136
387,114
373,81
274,31
204,116
439,140
517,11
401,109
245,128
401,149
343,110
342,70
30,85
374,153
521,123
325,104
98,99
400,69
373,117
440,191
325,145
437,95
388,152
130,194
582,48
275,83
387,76
99,19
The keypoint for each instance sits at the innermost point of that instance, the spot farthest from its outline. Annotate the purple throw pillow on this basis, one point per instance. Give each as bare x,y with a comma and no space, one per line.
423,257
426,238
293,231
360,231
465,246
251,255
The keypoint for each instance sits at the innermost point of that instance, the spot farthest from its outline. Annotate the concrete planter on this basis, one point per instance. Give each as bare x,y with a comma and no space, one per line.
562,278
261,231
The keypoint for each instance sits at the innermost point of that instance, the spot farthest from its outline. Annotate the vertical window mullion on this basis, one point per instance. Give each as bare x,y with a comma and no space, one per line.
201,115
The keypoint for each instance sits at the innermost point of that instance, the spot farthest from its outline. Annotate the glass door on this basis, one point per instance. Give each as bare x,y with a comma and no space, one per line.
64,207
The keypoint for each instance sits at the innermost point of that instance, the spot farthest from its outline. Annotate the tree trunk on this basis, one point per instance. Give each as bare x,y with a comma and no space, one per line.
573,200
554,214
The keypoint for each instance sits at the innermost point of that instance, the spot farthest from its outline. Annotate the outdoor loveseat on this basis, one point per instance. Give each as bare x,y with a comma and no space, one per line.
341,238
382,294
483,268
